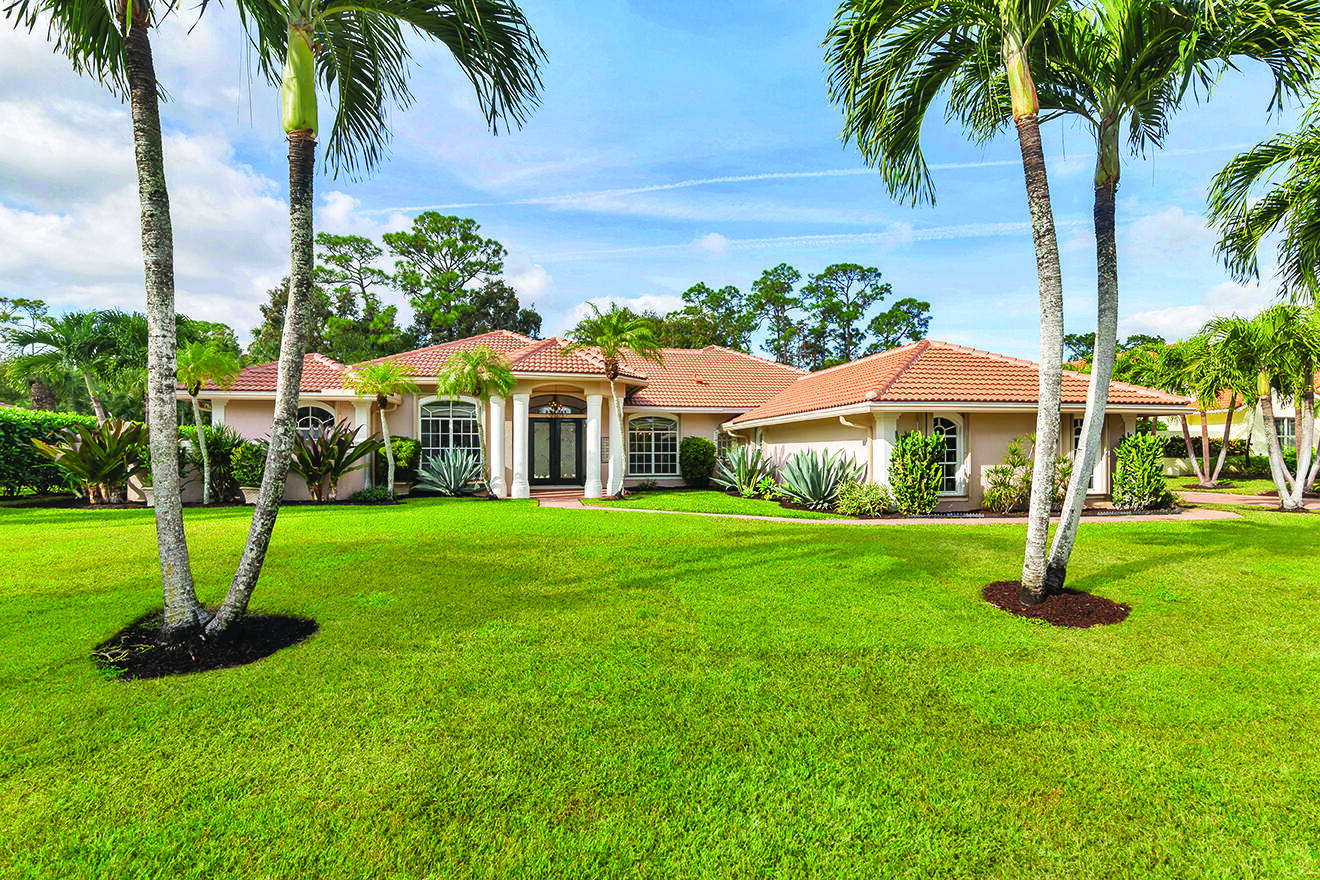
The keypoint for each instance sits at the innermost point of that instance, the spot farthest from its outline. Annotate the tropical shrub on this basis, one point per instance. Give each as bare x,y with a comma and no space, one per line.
248,463
373,495
407,453
813,478
1176,447
767,487
452,472
916,473
647,485
696,460
21,465
862,499
99,459
1139,475
742,470
1008,484
221,443
325,455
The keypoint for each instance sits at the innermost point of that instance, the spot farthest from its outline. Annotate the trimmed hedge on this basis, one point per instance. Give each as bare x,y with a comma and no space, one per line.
696,460
21,466
1175,447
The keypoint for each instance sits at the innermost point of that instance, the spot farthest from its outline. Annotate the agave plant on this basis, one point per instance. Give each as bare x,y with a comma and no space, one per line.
742,469
452,472
813,478
325,455
101,459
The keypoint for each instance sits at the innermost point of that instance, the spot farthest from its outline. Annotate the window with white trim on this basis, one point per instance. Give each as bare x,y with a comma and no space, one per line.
723,445
1077,423
314,418
448,424
951,461
1286,429
653,447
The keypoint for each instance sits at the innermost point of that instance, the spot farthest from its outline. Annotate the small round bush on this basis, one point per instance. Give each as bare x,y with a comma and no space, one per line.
862,499
696,460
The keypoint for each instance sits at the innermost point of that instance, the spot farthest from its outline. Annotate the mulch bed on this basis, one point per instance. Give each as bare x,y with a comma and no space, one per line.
137,651
1197,487
1071,608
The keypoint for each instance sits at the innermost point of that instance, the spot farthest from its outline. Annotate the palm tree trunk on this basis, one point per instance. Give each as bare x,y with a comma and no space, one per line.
389,453
1278,470
615,472
1191,453
481,442
302,160
1223,444
97,407
1051,360
1205,448
201,447
1102,369
1305,441
182,610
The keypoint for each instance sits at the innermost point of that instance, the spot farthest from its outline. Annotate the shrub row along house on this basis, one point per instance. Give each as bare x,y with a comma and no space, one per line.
555,427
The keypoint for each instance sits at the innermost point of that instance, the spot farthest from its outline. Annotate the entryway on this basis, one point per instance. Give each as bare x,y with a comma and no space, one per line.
556,452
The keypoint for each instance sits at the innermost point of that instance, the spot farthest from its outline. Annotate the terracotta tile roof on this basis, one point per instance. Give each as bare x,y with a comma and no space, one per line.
715,377
428,361
937,372
553,356
319,373
1223,399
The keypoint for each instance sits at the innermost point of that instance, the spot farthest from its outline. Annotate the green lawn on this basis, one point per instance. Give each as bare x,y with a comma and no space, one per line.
1239,487
708,501
502,690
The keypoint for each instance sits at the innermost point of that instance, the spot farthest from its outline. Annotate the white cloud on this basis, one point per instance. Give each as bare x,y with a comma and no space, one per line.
649,302
712,243
1178,322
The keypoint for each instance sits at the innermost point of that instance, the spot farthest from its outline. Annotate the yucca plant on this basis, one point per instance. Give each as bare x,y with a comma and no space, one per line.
325,455
102,459
452,472
742,469
813,478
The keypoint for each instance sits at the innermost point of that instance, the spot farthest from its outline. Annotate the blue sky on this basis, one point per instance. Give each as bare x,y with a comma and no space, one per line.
675,143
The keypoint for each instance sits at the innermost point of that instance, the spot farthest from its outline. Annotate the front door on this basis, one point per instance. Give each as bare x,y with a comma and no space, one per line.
556,452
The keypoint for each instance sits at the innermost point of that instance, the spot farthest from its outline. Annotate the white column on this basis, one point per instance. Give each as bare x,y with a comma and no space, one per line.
495,440
592,489
886,435
1129,424
616,450
218,411
362,419
521,488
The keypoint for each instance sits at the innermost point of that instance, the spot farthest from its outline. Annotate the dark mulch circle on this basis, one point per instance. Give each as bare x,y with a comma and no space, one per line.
137,651
1222,484
1071,608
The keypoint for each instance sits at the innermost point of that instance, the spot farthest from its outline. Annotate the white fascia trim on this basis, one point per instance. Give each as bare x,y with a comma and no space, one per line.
324,394
944,407
712,410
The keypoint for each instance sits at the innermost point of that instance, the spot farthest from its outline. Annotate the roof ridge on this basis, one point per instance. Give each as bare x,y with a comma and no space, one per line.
920,347
746,354
862,360
534,347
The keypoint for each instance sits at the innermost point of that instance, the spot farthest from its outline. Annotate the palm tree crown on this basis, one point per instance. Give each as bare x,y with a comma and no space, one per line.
615,334
381,380
479,372
202,362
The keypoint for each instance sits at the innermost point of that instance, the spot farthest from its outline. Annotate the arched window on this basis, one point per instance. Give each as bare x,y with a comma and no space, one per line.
448,424
953,454
653,447
312,418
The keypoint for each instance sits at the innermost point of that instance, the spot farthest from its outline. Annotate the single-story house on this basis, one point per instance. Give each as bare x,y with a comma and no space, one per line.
555,429
1248,421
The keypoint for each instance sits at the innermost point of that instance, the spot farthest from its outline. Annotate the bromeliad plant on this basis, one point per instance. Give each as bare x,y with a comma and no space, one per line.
324,456
452,472
100,459
813,478
743,469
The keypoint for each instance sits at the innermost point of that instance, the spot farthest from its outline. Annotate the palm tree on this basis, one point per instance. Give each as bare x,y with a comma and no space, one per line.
614,335
888,61
358,50
200,363
1123,67
382,380
1282,346
110,42
78,342
480,373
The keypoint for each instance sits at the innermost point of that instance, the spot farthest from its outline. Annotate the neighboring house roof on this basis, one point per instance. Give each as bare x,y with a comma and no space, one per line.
1224,397
930,371
319,373
715,377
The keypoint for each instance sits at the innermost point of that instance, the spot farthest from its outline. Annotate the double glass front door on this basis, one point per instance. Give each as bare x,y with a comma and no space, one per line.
556,452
